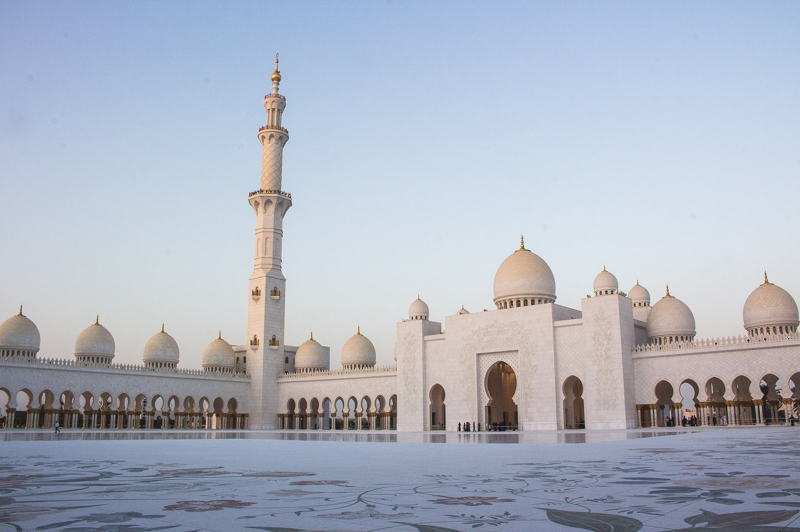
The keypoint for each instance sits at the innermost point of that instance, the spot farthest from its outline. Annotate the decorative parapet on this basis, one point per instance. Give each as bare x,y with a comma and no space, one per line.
380,370
63,362
280,97
270,191
273,128
716,343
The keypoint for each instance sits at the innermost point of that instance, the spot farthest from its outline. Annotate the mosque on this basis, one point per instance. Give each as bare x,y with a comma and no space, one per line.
529,364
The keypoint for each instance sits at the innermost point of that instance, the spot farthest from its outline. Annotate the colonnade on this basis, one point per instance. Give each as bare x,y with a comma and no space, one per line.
125,419
316,421
714,413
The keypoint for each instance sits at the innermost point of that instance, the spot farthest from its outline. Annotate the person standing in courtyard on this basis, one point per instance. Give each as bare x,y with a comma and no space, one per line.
57,431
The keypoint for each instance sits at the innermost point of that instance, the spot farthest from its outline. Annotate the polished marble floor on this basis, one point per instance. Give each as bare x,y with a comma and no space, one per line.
733,479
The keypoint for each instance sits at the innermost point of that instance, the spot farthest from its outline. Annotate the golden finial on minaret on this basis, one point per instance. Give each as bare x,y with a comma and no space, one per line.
220,336
276,76
312,335
521,242
766,280
359,331
97,320
604,267
667,292
162,327
20,310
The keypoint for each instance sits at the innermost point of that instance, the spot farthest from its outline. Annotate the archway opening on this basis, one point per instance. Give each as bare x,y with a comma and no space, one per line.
716,406
350,421
772,411
574,413
289,419
690,403
338,423
364,412
438,420
392,425
314,421
664,407
501,411
302,417
380,407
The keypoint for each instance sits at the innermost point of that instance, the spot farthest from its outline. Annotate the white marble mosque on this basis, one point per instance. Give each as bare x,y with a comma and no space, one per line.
530,364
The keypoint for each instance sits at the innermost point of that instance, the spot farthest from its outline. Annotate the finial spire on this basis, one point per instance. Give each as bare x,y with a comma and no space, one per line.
359,331
276,77
97,320
604,267
162,327
766,280
312,335
521,242
667,292
20,310
220,336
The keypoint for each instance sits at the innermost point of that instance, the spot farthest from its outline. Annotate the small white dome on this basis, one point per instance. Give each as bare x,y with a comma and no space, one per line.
524,275
770,305
19,333
418,310
311,355
605,283
161,349
671,319
95,341
462,311
358,351
219,355
639,294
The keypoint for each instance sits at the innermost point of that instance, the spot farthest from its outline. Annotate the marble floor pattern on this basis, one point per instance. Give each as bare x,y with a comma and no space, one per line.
732,479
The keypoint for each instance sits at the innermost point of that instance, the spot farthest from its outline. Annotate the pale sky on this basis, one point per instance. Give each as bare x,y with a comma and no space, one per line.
659,139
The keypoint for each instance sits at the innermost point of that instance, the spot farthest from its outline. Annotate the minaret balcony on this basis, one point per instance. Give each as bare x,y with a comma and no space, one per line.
274,343
273,128
255,293
275,294
270,191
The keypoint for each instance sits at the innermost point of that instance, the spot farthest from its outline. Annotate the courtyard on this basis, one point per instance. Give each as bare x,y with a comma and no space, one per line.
744,479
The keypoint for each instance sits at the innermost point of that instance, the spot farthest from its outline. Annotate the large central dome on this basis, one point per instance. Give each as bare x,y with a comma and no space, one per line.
523,279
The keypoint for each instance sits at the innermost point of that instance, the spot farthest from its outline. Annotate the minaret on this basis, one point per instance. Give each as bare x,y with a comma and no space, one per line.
267,308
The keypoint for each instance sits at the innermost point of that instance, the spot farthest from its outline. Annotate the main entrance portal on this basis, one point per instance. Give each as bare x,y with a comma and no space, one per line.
501,383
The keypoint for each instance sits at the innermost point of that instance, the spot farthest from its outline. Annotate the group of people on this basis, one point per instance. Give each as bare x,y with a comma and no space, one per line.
491,427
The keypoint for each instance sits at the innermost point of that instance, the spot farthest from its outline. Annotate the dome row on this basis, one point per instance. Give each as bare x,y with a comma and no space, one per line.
357,352
19,336
525,279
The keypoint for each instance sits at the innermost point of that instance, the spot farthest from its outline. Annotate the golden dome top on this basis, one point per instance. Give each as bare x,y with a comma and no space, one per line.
276,76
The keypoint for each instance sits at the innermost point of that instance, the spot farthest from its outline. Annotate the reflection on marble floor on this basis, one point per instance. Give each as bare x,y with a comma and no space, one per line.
727,479
574,436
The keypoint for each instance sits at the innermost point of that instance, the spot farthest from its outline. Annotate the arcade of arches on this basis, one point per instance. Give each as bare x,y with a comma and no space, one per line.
740,402
340,414
25,409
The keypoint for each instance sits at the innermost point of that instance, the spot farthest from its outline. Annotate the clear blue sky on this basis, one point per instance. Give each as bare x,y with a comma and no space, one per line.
660,139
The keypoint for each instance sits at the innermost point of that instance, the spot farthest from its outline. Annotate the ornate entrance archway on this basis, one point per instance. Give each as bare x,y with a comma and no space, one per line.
574,414
500,385
438,419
